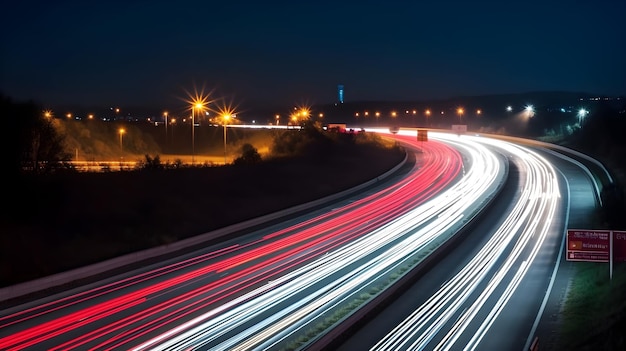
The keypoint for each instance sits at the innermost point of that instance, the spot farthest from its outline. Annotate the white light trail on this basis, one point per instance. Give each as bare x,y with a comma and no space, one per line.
266,317
529,222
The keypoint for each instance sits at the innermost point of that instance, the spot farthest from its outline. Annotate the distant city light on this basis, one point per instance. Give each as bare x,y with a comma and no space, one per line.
509,108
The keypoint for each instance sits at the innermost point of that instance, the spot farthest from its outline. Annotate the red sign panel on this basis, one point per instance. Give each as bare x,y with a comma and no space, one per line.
619,246
588,245
422,135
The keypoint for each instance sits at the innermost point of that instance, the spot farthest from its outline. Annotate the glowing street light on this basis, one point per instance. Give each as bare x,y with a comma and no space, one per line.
121,131
227,112
225,119
582,113
198,100
165,119
305,113
198,104
460,111
509,108
47,113
277,119
530,111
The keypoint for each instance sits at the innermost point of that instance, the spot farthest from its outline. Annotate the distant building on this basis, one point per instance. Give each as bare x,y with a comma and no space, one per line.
340,93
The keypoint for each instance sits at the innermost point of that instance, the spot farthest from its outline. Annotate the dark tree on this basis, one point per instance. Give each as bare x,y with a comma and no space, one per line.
249,155
33,144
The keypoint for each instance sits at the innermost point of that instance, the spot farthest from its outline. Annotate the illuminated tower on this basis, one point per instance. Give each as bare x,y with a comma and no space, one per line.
340,93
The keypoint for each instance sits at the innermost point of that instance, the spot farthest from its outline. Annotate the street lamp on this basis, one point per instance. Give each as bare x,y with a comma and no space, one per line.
165,118
427,117
225,118
582,113
460,112
121,132
530,111
197,105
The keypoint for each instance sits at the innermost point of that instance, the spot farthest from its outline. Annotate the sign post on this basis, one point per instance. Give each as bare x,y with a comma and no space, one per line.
596,246
619,246
422,135
588,245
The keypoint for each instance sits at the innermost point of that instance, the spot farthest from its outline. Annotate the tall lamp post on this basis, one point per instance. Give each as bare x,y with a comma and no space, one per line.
199,106
582,113
121,132
460,112
530,111
193,143
165,118
225,118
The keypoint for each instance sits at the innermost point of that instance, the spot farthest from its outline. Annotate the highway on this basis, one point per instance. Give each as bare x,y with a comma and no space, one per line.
490,292
285,286
225,295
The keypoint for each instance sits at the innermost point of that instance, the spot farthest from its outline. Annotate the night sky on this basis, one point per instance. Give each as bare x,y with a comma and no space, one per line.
281,53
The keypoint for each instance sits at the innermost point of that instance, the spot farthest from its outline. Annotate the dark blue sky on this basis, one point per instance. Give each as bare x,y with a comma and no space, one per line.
288,52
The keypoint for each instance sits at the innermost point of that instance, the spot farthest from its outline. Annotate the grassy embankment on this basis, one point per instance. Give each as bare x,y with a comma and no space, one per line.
62,221
594,314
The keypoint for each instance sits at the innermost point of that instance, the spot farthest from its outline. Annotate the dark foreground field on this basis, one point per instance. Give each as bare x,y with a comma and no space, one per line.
58,222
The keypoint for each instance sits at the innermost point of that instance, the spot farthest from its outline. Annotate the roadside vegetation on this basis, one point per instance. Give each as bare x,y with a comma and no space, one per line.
594,313
57,219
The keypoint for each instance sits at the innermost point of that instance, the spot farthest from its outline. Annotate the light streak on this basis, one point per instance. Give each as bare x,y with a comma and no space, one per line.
171,296
528,223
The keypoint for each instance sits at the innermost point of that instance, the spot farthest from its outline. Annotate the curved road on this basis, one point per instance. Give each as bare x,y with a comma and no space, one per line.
139,308
281,286
490,292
